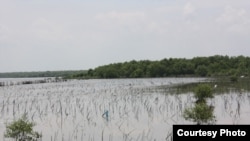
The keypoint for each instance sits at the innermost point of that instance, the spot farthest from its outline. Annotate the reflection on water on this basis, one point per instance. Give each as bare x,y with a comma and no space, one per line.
116,109
219,86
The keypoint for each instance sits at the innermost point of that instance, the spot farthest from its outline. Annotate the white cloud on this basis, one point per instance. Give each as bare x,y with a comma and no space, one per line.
232,15
88,35
115,18
188,9
4,32
121,16
156,27
44,29
137,23
235,20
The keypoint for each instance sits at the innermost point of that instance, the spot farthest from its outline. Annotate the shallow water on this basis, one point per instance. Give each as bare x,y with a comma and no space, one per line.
136,109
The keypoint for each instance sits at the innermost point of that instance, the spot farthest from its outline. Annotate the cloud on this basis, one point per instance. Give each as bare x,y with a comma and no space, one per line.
121,16
119,26
235,20
4,32
43,29
114,19
188,9
88,35
135,23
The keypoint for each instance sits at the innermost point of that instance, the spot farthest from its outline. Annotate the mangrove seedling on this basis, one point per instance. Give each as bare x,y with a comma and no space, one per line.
22,130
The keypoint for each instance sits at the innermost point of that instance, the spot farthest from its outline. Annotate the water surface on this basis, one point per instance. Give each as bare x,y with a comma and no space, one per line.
113,109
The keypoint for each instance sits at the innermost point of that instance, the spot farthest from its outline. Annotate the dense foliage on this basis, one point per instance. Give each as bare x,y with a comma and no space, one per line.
199,66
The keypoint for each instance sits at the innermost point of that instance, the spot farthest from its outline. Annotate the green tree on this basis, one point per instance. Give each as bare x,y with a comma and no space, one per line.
199,66
137,73
22,130
202,92
202,70
155,69
201,113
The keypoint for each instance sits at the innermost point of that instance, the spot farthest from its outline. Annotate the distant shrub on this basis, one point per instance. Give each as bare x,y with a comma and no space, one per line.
233,78
202,92
201,113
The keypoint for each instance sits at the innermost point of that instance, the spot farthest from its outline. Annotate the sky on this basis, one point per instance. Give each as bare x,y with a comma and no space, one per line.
48,35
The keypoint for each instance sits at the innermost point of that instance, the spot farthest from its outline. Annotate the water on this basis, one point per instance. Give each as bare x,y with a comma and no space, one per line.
21,81
112,109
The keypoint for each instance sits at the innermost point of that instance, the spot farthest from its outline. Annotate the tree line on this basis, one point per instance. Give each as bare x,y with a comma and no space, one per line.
64,73
216,65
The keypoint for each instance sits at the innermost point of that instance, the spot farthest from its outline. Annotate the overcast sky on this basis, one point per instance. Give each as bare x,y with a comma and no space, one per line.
42,35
